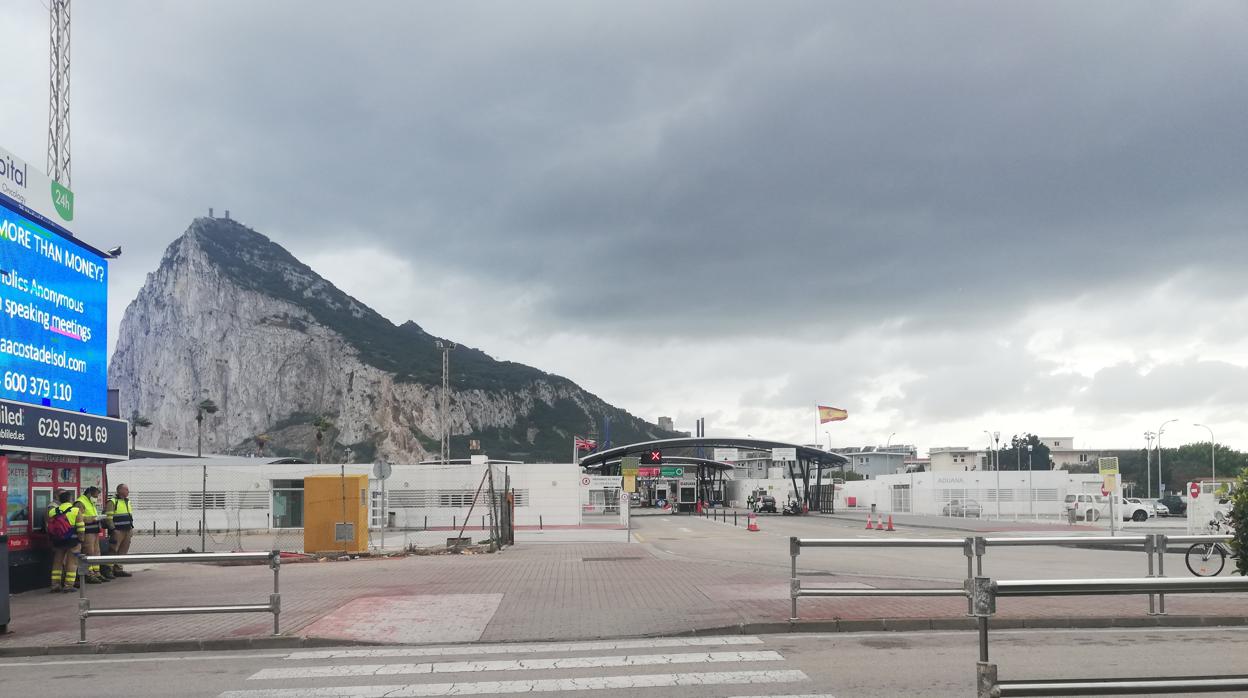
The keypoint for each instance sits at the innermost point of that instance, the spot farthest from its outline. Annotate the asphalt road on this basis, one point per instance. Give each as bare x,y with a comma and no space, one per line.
695,538
845,664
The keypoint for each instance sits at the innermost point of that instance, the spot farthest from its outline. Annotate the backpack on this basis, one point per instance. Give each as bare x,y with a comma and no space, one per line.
59,528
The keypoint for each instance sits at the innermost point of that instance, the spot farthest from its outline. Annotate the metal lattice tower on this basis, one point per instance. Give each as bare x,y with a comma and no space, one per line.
58,92
445,408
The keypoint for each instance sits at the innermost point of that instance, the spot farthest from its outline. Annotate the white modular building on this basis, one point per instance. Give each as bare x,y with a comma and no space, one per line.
256,494
1003,493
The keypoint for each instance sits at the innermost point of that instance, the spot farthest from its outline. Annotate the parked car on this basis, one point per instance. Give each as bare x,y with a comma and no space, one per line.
767,505
1127,510
1135,509
1161,509
962,507
1175,504
1084,506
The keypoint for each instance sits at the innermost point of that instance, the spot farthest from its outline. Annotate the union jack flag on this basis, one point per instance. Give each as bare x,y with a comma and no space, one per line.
585,444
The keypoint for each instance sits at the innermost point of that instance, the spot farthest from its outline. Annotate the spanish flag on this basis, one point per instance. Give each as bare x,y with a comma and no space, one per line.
831,414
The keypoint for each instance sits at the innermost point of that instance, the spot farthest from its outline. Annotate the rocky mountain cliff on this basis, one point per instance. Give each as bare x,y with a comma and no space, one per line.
233,317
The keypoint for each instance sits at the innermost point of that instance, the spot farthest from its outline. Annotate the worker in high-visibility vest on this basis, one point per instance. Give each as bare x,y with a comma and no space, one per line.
119,517
89,515
64,562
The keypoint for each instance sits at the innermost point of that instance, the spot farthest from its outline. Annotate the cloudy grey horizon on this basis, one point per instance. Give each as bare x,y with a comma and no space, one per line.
943,217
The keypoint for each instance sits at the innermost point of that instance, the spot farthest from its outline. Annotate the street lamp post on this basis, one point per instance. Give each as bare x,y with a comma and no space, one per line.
209,407
989,464
1160,430
889,441
1213,459
994,443
1148,463
1031,498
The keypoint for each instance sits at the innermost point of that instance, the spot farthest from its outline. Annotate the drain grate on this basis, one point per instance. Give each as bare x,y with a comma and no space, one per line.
608,559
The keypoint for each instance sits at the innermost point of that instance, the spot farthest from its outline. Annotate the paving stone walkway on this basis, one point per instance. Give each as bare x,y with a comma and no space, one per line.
569,591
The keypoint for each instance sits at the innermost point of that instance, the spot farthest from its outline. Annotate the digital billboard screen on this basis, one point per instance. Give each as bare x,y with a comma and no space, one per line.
53,317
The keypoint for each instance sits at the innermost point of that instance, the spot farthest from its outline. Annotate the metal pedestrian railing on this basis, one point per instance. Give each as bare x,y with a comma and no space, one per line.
796,590
984,591
85,610
974,548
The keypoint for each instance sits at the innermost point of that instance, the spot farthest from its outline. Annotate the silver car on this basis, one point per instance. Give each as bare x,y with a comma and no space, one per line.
962,507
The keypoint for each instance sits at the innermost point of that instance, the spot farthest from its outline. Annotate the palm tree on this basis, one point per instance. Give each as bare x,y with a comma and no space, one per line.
136,421
204,407
322,424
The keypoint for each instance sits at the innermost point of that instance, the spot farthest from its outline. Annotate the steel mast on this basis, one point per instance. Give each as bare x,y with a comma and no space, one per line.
58,92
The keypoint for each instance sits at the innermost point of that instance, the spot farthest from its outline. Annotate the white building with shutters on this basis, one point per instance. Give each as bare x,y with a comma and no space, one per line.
256,494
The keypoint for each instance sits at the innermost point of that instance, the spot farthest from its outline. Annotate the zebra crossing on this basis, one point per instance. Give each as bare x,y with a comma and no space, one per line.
718,666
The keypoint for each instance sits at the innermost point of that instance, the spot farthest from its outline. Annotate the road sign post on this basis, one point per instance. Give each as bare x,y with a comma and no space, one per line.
1109,471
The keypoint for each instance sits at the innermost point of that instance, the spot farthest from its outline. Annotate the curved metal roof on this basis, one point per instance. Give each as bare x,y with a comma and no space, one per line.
803,452
677,460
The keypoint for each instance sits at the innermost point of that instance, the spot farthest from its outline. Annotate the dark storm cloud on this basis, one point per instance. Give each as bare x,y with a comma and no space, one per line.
694,168
1128,388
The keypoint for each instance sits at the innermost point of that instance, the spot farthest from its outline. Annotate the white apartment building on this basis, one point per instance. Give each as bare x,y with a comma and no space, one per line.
1064,454
949,459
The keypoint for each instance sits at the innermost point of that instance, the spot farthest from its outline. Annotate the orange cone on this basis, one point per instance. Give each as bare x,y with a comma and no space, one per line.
753,523
890,523
879,523
869,526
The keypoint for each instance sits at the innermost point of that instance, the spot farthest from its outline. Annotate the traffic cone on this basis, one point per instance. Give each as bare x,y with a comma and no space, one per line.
869,526
890,523
879,523
753,523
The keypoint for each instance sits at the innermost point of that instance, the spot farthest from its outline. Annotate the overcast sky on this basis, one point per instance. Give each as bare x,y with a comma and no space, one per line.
944,217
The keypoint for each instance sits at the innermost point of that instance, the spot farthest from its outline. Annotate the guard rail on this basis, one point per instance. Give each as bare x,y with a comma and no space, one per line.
983,592
974,548
85,610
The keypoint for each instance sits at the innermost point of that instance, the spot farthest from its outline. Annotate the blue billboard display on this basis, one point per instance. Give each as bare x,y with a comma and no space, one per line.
53,317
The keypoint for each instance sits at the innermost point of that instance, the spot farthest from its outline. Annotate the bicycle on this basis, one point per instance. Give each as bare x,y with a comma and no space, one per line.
1209,559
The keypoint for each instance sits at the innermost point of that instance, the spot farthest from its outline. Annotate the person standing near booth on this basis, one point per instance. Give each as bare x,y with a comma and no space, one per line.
89,516
64,528
119,517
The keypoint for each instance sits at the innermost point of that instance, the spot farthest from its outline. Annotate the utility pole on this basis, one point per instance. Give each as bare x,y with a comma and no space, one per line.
445,408
1161,430
58,92
996,454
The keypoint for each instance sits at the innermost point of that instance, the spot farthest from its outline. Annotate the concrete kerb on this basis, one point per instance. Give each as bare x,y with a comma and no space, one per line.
898,625
923,624
219,645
